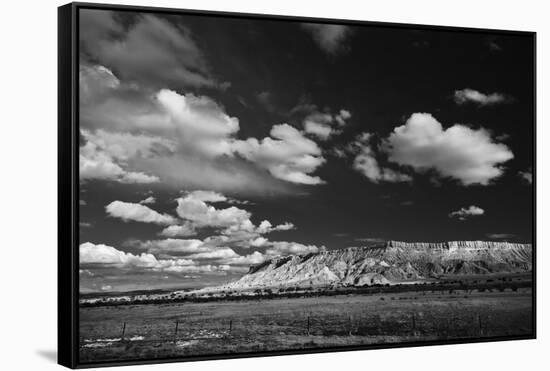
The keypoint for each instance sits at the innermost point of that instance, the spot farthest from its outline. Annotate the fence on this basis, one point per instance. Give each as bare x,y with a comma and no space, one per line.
263,327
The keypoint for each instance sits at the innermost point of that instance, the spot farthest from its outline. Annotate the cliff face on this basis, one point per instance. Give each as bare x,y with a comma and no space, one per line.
390,262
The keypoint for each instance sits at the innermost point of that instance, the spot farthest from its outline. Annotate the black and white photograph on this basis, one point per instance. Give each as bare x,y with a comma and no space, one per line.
257,184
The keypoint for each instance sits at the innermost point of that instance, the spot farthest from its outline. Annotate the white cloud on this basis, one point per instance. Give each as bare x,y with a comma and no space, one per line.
148,200
125,146
187,141
213,250
200,122
174,267
527,176
288,155
366,163
467,212
183,230
94,163
207,196
258,242
148,41
219,253
345,114
233,221
325,125
266,227
473,96
468,155
321,131
105,154
136,212
171,246
90,253
98,256
331,38
201,214
95,80
251,259
288,248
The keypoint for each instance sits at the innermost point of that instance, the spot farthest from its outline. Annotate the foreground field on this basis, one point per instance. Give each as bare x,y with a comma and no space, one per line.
134,332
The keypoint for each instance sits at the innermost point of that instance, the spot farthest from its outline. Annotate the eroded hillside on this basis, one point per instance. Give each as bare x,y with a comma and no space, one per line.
390,262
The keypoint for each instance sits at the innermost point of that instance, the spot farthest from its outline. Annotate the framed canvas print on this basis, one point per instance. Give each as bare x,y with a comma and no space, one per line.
236,185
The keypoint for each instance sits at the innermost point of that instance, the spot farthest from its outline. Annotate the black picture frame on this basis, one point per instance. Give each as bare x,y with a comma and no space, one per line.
68,182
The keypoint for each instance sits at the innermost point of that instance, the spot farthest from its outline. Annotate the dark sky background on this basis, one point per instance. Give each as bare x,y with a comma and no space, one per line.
270,72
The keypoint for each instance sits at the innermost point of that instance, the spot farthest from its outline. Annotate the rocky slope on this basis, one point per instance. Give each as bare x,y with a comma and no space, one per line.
390,262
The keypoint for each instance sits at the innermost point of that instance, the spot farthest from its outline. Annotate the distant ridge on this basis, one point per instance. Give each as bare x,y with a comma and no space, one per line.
388,263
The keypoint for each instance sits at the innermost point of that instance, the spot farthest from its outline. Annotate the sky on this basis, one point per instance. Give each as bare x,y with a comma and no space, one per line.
209,144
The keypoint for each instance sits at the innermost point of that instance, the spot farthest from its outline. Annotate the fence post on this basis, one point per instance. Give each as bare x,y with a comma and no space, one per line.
123,331
230,325
349,325
176,330
308,324
480,324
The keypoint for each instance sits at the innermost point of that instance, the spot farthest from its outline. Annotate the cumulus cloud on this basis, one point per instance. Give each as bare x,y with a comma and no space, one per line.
128,211
331,38
201,123
100,254
527,176
183,230
325,125
146,41
197,251
170,246
193,207
459,152
207,196
245,260
365,162
287,154
148,200
473,96
213,250
103,256
220,253
95,80
287,248
105,155
97,163
201,214
124,146
258,242
321,131
233,224
466,212
185,140
266,227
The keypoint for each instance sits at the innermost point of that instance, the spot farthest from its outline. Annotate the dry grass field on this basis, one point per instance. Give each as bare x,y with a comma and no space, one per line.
132,332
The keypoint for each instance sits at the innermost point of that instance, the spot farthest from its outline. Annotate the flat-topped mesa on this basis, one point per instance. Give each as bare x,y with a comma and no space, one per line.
389,262
473,245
